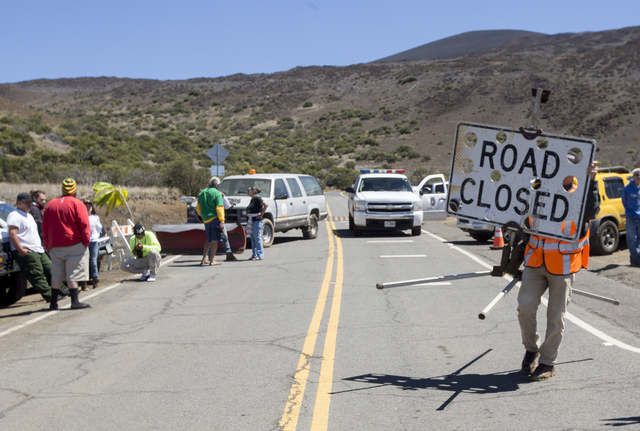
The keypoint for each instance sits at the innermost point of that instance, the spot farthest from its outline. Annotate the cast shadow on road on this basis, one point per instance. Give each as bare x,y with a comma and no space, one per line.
24,313
606,268
456,382
620,422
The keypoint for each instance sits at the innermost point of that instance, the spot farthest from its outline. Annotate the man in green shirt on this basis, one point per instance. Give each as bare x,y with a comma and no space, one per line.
211,210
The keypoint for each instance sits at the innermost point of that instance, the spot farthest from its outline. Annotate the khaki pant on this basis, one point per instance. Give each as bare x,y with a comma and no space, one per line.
70,263
151,262
535,282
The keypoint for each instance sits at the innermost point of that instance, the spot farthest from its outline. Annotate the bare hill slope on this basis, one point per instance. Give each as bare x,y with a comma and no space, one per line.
400,114
472,41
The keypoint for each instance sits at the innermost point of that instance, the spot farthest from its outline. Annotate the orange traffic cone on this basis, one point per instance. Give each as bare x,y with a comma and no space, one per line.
498,240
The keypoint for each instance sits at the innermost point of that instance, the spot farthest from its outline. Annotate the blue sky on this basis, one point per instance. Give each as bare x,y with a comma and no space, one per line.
168,39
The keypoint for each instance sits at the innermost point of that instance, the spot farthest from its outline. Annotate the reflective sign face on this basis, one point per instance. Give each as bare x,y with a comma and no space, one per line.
500,175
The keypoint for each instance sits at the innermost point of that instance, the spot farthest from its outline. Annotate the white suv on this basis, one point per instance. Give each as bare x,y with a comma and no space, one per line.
295,201
384,201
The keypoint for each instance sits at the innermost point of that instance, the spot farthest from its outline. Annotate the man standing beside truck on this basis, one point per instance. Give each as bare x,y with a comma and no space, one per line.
27,247
211,210
631,202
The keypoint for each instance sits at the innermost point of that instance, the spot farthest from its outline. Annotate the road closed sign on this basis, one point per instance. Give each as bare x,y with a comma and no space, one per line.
501,175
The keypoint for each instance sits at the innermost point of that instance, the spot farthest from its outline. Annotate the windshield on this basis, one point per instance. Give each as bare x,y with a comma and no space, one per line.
5,209
239,186
381,184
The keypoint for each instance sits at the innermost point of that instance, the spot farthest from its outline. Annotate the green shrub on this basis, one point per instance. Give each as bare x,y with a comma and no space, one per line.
406,152
307,105
406,80
15,142
182,175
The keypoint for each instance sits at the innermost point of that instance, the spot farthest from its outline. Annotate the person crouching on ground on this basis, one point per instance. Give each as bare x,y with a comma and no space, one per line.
255,212
66,232
211,210
146,249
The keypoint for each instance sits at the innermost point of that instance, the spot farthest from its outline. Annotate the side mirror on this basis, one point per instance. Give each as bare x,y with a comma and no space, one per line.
421,192
280,197
350,189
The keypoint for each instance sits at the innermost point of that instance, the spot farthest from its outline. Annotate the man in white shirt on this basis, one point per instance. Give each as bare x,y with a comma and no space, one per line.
27,247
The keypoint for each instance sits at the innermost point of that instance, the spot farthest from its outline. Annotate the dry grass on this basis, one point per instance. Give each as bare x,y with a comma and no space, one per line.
9,192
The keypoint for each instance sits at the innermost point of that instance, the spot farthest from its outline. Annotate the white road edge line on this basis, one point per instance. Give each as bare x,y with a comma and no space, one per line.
51,313
581,323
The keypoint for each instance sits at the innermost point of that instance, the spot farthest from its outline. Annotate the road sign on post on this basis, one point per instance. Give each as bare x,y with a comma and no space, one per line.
217,170
217,153
500,175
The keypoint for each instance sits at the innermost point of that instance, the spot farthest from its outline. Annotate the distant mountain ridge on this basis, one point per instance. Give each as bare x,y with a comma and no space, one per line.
330,120
472,41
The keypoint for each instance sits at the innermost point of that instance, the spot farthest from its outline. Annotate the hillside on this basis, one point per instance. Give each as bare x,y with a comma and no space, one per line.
472,41
327,121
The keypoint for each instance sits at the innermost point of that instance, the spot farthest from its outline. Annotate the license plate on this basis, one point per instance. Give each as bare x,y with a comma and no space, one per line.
390,224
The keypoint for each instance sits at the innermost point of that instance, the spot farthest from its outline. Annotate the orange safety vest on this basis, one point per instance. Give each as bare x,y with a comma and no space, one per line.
559,257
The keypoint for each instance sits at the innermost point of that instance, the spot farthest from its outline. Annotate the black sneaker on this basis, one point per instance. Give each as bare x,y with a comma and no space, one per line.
530,362
79,305
543,372
231,257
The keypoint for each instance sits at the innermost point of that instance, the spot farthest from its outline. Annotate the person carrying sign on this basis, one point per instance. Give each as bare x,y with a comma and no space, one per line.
552,264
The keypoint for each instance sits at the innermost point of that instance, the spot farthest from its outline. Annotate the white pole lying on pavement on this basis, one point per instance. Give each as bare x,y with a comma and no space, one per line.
381,286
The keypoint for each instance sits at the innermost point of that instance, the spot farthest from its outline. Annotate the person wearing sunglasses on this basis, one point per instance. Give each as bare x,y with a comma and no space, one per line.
631,203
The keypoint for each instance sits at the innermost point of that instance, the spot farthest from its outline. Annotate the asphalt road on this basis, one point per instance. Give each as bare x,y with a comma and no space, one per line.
304,340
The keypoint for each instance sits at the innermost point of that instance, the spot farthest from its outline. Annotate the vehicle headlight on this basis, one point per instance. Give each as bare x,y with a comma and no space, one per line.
417,206
359,205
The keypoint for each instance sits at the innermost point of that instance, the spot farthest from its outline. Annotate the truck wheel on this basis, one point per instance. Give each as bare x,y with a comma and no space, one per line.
267,233
13,286
481,236
350,222
311,231
416,231
357,231
607,238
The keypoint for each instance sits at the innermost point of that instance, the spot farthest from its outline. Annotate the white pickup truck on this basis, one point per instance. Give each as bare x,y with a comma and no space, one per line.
384,200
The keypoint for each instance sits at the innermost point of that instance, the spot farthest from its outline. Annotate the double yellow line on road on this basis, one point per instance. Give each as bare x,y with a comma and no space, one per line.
320,419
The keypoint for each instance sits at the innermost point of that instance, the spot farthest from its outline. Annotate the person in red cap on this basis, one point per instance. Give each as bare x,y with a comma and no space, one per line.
66,232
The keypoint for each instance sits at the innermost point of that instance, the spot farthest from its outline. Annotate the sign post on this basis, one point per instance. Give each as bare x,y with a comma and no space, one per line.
217,154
